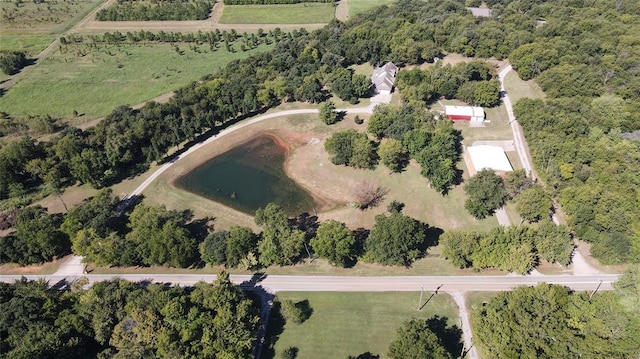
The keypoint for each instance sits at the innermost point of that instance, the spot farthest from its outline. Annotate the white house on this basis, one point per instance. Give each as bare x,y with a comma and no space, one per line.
478,158
383,78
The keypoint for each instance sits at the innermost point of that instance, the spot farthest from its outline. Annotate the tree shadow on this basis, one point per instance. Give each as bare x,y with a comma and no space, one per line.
305,309
432,236
200,228
367,355
265,301
360,235
306,223
450,336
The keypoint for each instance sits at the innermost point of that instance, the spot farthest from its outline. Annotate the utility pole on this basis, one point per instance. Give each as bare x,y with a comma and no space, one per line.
594,292
420,301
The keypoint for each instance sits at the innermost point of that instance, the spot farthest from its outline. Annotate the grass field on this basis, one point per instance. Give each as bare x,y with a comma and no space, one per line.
360,6
31,27
304,13
344,324
95,81
518,88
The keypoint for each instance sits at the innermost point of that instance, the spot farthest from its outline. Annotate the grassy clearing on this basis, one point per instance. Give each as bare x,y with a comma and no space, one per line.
95,81
31,44
308,163
518,88
304,13
360,6
345,324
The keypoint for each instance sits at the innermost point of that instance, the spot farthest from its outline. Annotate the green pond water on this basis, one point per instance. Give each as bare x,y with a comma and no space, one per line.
248,177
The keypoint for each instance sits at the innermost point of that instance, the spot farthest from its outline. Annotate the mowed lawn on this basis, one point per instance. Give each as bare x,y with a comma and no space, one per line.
95,81
304,13
360,6
344,324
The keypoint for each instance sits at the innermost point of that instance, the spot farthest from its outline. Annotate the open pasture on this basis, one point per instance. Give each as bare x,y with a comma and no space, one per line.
304,13
344,324
93,81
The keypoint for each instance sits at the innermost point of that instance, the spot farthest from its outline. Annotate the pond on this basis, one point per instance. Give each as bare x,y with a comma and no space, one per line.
248,177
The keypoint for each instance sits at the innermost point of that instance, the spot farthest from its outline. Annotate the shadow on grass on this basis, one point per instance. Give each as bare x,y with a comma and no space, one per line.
450,336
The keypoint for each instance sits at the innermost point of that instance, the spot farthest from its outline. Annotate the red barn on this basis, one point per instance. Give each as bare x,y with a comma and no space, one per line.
464,113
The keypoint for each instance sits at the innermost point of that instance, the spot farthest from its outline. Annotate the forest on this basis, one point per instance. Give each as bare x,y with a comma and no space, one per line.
578,135
117,318
272,2
551,321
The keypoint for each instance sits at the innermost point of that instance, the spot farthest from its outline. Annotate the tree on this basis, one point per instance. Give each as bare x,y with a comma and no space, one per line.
554,243
485,193
395,239
214,248
393,154
533,204
241,242
335,242
295,312
416,340
11,62
327,113
351,148
515,182
280,244
37,238
459,246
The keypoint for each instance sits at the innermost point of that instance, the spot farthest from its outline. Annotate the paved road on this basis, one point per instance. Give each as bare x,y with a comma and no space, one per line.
278,283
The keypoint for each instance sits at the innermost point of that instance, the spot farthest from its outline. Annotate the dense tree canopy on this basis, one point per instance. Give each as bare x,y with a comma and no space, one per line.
351,148
415,339
396,239
335,242
123,319
280,244
516,249
485,193
549,321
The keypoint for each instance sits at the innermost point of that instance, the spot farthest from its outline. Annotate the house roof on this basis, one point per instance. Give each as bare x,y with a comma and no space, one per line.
489,157
472,111
480,11
384,77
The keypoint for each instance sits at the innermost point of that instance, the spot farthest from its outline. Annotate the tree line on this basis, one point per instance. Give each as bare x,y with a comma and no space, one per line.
162,10
475,82
125,319
515,249
551,321
148,236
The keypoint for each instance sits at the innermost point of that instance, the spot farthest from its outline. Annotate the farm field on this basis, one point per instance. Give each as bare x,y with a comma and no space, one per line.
344,324
360,6
93,81
304,13
31,27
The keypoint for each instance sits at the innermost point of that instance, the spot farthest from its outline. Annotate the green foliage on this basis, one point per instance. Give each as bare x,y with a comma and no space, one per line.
533,204
11,62
416,340
396,239
548,321
36,239
351,148
214,248
131,10
289,353
123,319
485,192
328,113
295,312
515,182
515,249
335,242
393,154
279,244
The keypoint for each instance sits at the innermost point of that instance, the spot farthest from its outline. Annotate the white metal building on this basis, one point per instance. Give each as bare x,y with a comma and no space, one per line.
464,113
482,157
